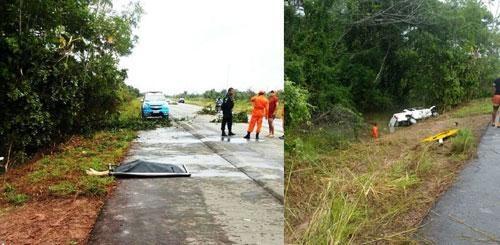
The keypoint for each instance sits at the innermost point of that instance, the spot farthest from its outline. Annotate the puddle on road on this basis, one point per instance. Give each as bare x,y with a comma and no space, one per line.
264,165
168,140
237,140
188,160
218,173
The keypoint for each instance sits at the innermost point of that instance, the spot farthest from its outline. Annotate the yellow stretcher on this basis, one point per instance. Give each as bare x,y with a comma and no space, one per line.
442,135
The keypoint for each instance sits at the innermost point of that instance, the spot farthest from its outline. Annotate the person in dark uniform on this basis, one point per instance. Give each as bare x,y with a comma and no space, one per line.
495,100
227,113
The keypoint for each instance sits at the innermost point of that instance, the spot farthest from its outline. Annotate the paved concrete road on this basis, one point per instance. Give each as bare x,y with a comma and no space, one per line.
469,212
233,197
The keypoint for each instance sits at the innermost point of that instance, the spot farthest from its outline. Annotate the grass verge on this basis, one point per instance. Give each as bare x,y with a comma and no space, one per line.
54,187
342,191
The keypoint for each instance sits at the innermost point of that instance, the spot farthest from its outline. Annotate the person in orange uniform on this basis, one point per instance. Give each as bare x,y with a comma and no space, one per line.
375,131
260,109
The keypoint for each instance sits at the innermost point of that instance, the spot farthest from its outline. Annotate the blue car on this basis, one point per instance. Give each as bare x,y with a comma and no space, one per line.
155,105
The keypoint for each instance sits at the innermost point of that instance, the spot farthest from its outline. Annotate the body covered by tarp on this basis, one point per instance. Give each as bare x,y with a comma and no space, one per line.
141,168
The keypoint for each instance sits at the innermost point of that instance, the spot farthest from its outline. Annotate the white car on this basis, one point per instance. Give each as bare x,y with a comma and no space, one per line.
410,116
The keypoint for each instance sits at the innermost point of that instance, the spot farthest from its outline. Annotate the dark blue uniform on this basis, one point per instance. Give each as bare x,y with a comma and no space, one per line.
227,113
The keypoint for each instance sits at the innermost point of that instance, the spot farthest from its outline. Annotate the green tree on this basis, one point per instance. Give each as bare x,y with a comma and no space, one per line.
59,68
387,54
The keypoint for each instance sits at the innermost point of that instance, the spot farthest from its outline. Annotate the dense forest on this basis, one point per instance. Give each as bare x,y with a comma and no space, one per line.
378,55
59,70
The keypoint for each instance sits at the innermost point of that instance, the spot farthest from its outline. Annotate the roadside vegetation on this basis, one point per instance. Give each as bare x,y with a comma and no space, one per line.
59,71
372,191
64,109
354,63
56,177
128,116
242,101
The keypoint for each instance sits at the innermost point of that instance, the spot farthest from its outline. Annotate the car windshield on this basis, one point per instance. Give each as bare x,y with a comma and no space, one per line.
154,97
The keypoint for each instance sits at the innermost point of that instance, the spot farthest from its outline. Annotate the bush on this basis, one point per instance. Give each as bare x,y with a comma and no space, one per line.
342,120
207,110
296,106
463,143
12,196
239,117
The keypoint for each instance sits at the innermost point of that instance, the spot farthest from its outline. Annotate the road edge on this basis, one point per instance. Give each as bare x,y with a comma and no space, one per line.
219,151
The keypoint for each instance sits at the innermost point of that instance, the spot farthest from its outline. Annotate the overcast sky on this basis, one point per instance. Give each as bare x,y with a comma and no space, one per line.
197,45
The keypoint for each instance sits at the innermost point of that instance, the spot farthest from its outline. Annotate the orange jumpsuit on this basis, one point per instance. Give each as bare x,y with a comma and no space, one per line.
375,132
260,109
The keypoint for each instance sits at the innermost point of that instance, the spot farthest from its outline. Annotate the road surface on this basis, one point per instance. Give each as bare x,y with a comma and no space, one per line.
469,212
234,196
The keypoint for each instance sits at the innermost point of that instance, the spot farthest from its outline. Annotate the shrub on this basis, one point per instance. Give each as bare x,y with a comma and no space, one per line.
62,189
11,195
240,117
207,110
297,110
463,143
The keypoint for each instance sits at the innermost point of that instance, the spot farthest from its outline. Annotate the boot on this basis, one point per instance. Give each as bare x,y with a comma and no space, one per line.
257,136
224,133
231,133
247,136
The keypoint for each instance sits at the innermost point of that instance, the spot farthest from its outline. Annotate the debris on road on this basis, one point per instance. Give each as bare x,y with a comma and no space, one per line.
238,117
441,136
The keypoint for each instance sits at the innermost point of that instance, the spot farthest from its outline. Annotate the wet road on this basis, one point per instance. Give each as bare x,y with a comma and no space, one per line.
233,197
469,212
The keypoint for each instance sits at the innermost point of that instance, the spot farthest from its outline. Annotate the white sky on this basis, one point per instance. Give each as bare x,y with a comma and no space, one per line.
197,45
493,6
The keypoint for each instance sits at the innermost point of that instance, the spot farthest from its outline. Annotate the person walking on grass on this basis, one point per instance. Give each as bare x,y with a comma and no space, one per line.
375,131
271,114
260,110
496,101
227,113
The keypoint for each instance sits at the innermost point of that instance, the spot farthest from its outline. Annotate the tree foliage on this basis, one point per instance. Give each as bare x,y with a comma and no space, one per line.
386,54
296,106
214,94
59,68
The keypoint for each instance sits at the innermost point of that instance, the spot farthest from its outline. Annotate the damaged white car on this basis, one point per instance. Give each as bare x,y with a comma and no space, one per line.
410,116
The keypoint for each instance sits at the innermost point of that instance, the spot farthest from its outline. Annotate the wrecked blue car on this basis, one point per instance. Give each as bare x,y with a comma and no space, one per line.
155,105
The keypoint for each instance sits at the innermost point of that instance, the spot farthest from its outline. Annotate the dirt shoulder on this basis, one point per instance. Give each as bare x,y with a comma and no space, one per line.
51,200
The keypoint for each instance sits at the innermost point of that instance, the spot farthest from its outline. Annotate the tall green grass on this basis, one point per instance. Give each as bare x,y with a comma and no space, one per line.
463,143
361,191
473,108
